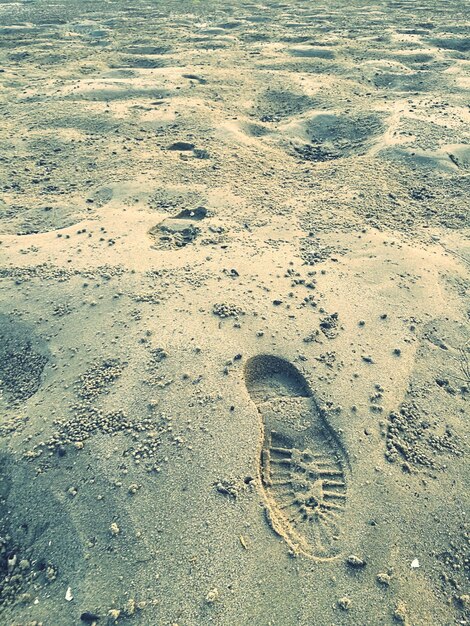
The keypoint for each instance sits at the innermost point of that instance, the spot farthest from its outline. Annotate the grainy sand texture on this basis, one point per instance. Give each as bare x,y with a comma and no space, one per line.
234,313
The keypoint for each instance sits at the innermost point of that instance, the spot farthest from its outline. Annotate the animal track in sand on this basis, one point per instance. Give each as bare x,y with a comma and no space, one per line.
303,465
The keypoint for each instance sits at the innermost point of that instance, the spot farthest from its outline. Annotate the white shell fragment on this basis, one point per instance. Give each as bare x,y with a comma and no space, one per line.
414,564
69,594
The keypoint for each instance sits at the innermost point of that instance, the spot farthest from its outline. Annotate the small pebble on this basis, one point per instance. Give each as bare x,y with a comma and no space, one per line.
355,561
212,596
384,579
344,603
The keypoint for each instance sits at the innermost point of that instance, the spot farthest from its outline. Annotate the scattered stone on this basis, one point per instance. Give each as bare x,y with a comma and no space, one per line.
11,562
173,232
24,564
212,596
400,614
355,561
464,601
51,573
201,153
25,598
130,607
384,579
344,603
114,614
61,310
225,310
328,358
227,488
87,420
329,325
97,378
158,355
312,337
312,251
412,437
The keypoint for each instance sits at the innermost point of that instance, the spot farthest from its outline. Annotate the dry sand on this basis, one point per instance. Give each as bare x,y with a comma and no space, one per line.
234,348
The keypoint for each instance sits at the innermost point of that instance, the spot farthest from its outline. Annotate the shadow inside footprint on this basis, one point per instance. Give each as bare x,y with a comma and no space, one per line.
303,465
192,214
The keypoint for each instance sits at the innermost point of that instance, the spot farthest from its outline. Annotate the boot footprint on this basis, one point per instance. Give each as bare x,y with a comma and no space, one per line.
303,465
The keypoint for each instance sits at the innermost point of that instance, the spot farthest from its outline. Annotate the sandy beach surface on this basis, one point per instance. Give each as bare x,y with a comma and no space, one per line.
234,339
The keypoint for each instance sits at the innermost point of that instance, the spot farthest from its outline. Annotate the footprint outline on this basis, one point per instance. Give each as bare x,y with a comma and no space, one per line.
304,487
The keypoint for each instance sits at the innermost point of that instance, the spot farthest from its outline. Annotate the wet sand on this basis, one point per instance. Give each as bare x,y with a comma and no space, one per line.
234,347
